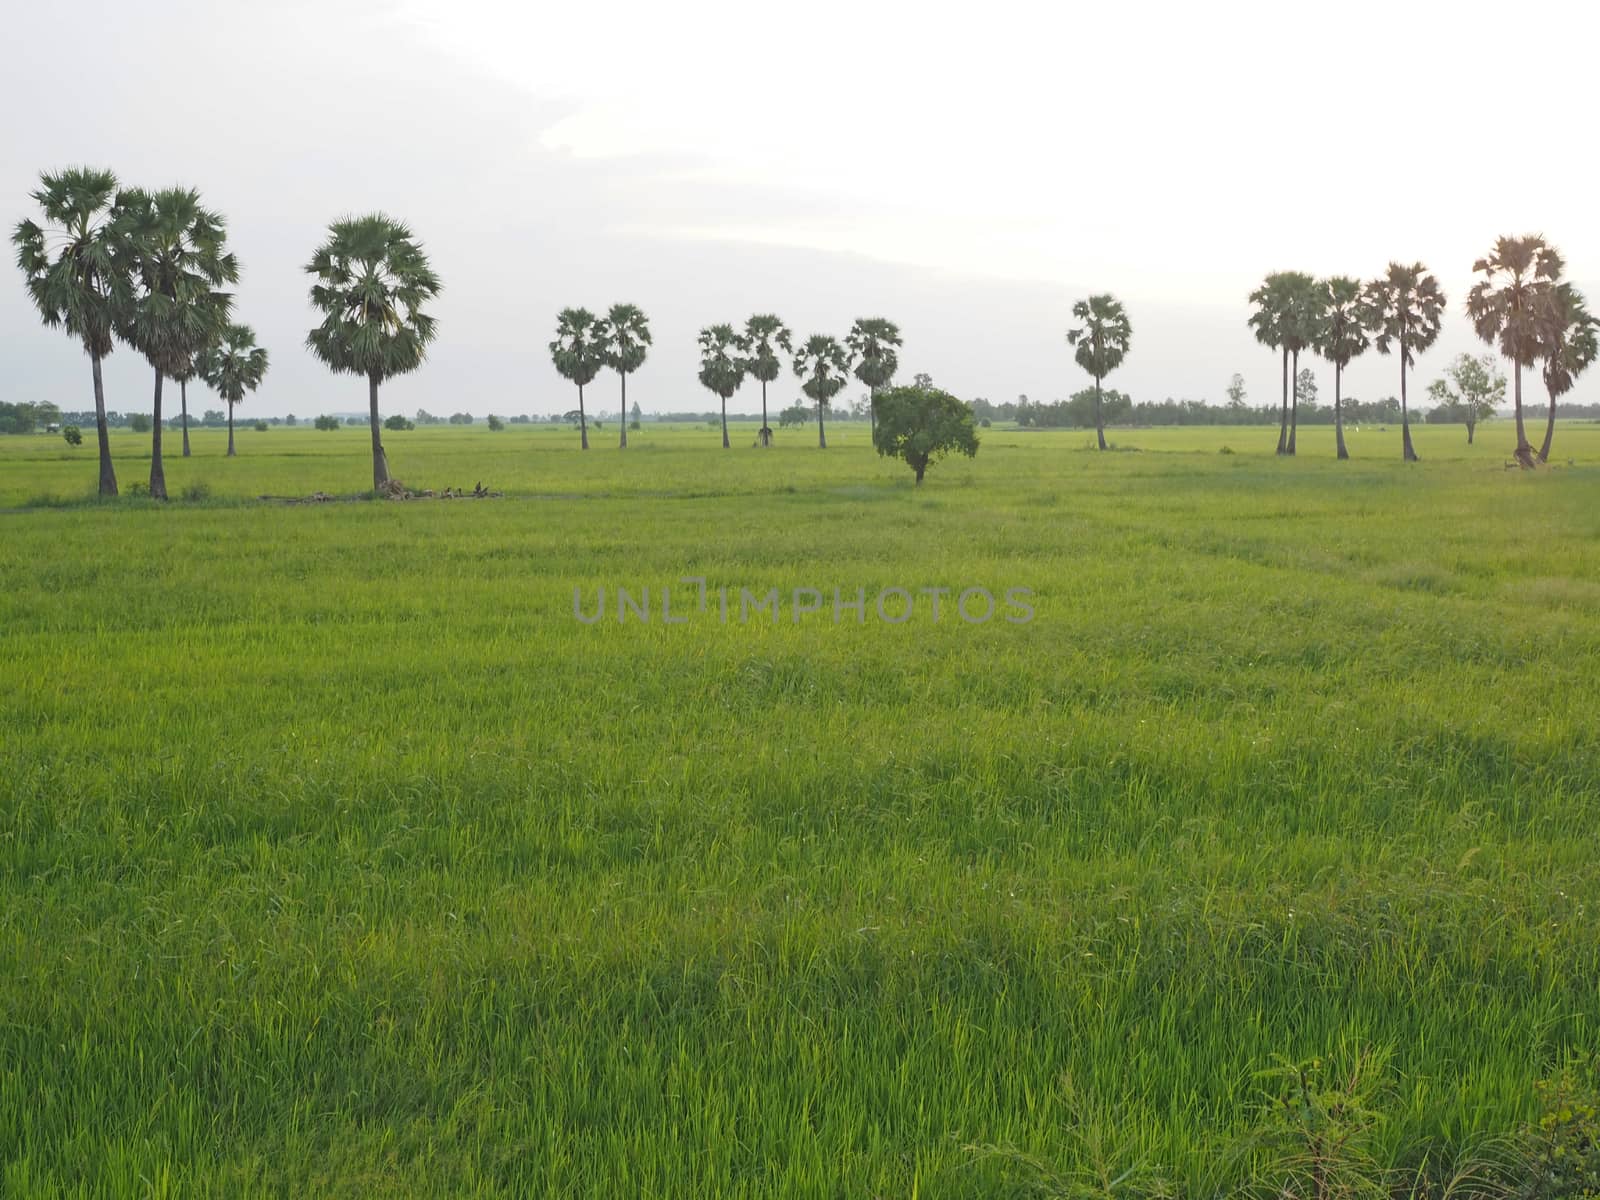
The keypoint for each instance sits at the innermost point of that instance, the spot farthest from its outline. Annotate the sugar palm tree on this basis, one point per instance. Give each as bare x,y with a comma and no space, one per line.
179,260
1505,307
372,280
75,274
1278,323
1102,343
578,354
722,366
1569,345
1302,320
1341,337
625,334
1407,307
823,367
872,342
764,336
233,365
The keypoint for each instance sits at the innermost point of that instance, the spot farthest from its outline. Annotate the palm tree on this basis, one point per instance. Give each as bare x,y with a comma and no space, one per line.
823,367
75,275
578,355
872,342
1302,320
178,258
1275,325
721,367
625,334
1569,344
1505,309
233,365
372,281
1102,342
1341,337
764,336
1407,307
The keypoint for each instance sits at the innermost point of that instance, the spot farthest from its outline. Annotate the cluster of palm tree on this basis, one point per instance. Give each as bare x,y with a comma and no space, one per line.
585,343
1520,305
113,264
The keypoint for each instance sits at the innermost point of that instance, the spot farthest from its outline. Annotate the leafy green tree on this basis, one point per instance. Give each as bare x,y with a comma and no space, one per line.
1407,308
73,435
793,417
495,424
722,367
873,342
823,367
625,334
1236,392
139,423
1102,343
1569,346
922,425
325,421
1506,307
233,366
372,282
764,336
179,259
1478,388
398,422
1341,337
578,353
74,270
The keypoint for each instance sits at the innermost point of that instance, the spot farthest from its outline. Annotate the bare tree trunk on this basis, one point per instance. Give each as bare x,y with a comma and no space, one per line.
1549,430
623,444
1338,412
108,477
920,468
158,475
183,397
231,451
1294,410
1472,425
1524,454
1406,450
380,464
583,420
872,415
822,436
1283,420
724,422
1099,415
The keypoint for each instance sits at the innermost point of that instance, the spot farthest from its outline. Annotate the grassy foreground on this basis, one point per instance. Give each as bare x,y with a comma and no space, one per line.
338,858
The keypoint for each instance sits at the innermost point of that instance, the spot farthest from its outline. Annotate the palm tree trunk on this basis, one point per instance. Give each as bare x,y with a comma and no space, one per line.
1099,415
623,444
822,436
724,422
1524,453
1338,412
183,398
158,476
583,420
1549,429
766,430
1406,451
1294,410
1283,420
108,477
231,453
380,464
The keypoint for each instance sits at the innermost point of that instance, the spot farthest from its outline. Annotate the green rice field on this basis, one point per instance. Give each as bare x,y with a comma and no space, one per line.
339,857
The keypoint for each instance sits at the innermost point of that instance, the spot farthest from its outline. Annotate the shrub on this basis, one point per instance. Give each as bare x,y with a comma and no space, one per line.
495,423
73,435
197,491
260,427
323,422
398,422
139,423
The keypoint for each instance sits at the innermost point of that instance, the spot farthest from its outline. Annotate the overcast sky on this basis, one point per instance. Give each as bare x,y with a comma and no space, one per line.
967,171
